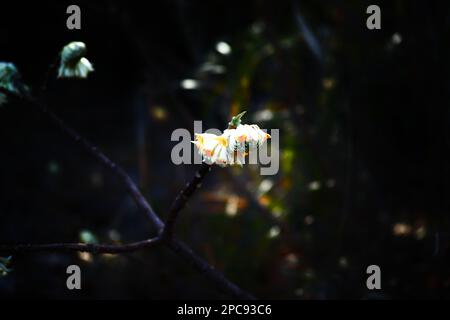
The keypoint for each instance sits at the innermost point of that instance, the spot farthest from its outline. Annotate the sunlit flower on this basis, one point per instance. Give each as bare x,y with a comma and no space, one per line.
235,142
205,142
251,135
216,149
213,148
73,63
231,147
221,156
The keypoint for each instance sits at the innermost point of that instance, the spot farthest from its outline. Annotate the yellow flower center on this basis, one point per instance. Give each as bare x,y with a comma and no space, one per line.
200,138
223,141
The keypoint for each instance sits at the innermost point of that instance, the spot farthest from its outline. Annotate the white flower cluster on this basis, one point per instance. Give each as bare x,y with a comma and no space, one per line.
73,63
231,147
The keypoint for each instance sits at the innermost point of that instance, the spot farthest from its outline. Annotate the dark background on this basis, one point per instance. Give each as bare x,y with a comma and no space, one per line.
364,134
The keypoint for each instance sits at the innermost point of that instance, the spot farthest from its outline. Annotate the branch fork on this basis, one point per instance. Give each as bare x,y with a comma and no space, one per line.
165,231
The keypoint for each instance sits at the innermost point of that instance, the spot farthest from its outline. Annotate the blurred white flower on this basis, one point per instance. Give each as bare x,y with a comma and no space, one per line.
209,67
223,48
263,115
190,84
73,63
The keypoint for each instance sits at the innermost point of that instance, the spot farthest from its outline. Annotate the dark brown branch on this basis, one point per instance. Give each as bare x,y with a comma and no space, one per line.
208,271
81,247
175,245
183,197
48,75
100,156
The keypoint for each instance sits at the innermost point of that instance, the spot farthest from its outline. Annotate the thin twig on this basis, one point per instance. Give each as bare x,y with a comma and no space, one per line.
100,156
208,271
183,197
48,75
81,247
175,245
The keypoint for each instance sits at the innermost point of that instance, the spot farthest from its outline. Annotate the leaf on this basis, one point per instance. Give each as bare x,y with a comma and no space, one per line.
236,120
